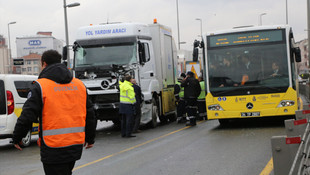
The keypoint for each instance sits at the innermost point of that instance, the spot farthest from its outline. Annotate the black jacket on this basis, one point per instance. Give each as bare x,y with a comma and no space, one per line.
192,87
32,112
138,94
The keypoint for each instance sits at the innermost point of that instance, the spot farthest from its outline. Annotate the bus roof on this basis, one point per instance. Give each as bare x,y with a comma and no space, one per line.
248,28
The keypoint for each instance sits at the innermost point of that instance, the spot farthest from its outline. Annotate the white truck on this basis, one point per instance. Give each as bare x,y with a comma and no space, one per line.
105,53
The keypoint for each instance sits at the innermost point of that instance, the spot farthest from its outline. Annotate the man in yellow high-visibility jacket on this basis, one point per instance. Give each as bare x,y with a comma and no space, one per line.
126,106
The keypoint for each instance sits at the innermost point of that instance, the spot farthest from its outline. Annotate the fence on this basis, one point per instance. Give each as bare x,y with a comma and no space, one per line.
291,152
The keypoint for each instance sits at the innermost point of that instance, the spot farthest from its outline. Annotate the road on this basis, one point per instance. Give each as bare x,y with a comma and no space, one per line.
242,148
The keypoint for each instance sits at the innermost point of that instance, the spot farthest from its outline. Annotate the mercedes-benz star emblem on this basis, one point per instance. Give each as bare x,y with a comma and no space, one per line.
249,105
105,84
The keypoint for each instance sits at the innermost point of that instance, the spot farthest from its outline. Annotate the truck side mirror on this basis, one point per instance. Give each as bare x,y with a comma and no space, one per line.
297,54
141,50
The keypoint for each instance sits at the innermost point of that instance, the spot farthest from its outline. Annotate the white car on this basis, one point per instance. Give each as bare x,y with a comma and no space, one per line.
13,94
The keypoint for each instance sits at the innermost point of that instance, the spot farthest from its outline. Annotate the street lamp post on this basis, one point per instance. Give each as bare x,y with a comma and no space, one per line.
200,26
260,18
10,48
179,44
286,6
66,27
308,29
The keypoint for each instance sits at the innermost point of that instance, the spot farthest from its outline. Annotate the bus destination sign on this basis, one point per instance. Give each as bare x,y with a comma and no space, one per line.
245,38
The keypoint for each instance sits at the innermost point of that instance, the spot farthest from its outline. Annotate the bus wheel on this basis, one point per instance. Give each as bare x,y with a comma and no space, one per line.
153,122
26,140
223,122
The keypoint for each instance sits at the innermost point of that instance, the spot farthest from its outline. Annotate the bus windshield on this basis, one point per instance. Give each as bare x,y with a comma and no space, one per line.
248,69
107,54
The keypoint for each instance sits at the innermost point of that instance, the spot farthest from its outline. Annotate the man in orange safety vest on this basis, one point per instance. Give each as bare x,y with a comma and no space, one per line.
67,122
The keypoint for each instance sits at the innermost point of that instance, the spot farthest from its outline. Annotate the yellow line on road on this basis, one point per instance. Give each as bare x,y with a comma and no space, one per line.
131,148
268,168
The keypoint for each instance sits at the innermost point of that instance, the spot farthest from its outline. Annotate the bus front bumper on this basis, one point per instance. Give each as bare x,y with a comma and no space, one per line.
283,111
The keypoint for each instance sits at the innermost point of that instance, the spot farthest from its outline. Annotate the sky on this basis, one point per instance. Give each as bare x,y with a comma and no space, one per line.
32,16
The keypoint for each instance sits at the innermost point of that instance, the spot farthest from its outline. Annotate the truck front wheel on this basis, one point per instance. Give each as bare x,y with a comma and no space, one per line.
153,122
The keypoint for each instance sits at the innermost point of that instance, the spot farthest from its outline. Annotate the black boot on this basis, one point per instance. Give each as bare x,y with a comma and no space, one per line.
192,120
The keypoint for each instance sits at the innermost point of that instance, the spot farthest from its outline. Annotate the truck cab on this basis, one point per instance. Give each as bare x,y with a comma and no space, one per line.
103,54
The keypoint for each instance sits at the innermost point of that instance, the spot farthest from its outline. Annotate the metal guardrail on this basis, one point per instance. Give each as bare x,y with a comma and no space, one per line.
302,155
291,152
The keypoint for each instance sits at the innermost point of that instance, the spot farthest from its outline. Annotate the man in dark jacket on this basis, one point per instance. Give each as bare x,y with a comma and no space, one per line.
192,90
67,122
137,115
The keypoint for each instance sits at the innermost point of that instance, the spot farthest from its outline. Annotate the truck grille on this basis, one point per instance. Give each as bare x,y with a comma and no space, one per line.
105,98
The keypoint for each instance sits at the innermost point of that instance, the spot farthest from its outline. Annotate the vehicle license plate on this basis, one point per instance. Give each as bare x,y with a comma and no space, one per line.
250,114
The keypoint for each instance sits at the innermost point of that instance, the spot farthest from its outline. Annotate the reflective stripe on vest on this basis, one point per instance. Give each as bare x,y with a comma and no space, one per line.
64,113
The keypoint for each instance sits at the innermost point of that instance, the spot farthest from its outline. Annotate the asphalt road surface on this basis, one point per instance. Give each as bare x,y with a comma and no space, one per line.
241,148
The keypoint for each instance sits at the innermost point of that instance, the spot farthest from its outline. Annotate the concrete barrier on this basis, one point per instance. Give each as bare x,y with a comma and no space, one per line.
283,154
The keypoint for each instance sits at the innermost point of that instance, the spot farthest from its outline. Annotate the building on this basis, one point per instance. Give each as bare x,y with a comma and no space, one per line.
30,50
303,66
31,66
4,56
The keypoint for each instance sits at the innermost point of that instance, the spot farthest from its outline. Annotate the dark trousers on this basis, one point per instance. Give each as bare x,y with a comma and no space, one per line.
58,169
191,106
181,108
191,109
137,118
126,125
201,104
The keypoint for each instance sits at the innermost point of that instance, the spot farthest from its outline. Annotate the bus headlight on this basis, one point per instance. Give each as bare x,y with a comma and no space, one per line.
216,107
285,103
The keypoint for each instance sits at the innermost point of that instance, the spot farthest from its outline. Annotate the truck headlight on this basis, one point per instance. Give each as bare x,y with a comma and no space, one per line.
285,103
215,107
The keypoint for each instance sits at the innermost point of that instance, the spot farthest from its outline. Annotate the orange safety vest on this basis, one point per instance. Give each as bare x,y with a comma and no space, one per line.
64,113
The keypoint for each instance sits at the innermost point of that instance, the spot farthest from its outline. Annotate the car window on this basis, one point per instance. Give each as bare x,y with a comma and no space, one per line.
2,98
23,87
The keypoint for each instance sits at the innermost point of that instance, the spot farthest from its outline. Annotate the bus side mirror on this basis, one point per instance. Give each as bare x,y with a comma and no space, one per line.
196,51
297,54
195,54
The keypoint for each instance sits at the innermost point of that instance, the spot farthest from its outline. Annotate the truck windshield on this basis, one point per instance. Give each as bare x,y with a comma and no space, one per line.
107,54
248,69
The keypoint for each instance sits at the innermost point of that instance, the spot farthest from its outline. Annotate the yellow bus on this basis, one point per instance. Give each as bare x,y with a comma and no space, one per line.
251,72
